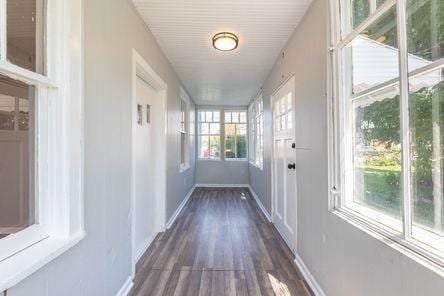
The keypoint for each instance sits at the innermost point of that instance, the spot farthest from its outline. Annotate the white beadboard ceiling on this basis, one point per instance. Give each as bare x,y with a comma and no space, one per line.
184,29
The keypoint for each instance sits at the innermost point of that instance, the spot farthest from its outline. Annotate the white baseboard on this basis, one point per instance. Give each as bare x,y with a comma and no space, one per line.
223,185
317,290
147,244
179,208
126,287
261,206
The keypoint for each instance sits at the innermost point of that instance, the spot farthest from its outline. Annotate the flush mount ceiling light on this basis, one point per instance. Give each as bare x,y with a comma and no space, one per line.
225,41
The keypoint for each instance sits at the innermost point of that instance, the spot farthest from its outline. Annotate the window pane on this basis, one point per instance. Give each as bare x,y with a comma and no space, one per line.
377,152
243,117
17,201
235,116
182,147
25,34
230,129
204,147
201,116
204,128
372,57
230,143
360,11
227,116
427,143
214,128
241,146
216,116
214,147
7,112
241,129
425,32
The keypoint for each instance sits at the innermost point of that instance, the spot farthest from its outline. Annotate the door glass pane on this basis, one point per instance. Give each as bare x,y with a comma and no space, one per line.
425,32
377,152
427,143
17,200
372,57
25,34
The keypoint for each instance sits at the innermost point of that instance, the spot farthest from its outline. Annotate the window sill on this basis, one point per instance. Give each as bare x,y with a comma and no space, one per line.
23,264
392,239
183,169
236,159
256,166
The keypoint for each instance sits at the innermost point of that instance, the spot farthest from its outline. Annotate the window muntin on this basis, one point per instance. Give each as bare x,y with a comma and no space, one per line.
26,34
209,134
407,211
235,135
256,131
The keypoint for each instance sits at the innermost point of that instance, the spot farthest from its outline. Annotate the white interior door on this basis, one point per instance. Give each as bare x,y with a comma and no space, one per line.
284,163
144,167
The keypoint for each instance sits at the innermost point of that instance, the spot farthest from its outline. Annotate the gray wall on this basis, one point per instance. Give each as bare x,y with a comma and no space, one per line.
221,172
100,264
343,259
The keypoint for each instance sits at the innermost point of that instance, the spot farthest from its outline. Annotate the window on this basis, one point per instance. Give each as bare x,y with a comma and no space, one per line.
236,135
184,132
209,135
389,85
40,132
256,136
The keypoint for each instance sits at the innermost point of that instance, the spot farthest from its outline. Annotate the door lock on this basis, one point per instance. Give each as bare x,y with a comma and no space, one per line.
292,166
293,145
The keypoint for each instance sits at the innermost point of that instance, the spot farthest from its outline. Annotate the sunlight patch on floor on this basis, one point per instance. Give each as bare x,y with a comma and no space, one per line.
279,288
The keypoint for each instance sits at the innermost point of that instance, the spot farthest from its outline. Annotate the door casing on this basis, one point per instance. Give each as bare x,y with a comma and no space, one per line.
141,69
292,81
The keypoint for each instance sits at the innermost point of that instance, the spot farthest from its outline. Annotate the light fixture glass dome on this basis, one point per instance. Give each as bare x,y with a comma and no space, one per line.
225,41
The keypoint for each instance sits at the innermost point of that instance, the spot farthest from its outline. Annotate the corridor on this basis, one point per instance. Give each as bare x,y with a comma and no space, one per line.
221,244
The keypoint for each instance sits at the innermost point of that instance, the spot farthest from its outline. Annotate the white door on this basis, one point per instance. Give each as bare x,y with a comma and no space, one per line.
144,166
284,163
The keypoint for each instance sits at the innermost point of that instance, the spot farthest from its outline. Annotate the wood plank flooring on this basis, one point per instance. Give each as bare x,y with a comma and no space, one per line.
221,244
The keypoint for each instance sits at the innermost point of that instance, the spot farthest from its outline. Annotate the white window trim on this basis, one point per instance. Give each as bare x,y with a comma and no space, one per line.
253,117
185,98
337,131
60,141
220,158
223,123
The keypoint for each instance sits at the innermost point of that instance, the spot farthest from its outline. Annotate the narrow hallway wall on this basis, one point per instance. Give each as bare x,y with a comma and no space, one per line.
343,259
100,264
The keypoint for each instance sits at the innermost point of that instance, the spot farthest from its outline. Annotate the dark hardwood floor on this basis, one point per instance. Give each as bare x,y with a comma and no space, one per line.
221,244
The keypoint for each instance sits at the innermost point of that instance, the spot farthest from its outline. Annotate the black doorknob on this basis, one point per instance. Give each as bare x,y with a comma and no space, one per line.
291,166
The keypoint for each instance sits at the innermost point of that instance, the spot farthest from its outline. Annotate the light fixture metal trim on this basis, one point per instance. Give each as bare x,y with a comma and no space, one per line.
225,36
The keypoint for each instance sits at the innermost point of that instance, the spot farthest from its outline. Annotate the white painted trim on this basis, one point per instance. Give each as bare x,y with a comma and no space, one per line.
222,185
180,208
140,68
147,244
126,288
311,281
261,206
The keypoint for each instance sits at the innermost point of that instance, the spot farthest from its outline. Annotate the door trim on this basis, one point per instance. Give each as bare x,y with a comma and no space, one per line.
141,69
291,79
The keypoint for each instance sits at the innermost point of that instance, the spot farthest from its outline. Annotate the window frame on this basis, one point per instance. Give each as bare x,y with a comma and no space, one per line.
199,135
185,101
59,148
235,133
340,129
255,119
